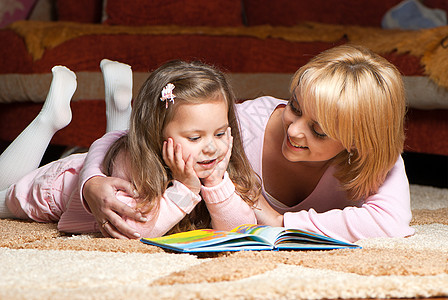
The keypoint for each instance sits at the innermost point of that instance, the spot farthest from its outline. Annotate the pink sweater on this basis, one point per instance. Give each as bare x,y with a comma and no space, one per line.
52,194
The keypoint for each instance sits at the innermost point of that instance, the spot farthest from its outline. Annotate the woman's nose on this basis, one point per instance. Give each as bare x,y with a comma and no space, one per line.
297,128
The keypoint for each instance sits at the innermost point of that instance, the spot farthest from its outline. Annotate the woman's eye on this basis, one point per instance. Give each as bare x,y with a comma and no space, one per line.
193,138
221,134
294,108
318,134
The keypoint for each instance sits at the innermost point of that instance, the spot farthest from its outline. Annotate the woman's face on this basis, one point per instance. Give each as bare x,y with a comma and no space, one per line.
304,139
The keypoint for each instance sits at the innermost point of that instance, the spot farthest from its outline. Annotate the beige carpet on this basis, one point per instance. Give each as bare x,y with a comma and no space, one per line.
36,262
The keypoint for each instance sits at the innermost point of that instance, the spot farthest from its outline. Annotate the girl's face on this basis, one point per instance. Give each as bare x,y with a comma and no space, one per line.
304,139
201,131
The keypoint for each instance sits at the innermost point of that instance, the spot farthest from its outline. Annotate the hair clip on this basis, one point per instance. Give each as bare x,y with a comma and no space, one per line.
167,94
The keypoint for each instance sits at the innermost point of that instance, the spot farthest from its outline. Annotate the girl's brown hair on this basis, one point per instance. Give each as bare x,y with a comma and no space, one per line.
358,98
195,82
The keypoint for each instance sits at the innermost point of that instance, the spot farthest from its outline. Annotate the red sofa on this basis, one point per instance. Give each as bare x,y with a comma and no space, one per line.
259,43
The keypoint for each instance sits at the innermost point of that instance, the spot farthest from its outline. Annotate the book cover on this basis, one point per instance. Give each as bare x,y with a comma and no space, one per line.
246,237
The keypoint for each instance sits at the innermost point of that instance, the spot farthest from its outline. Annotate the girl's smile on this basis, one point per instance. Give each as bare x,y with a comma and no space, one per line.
207,164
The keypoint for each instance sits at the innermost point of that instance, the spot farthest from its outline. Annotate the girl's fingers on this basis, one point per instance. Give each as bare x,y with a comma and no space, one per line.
170,149
230,143
178,156
164,154
172,155
168,152
189,164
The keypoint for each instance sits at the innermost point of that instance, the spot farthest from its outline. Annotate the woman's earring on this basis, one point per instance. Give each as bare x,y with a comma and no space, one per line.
350,158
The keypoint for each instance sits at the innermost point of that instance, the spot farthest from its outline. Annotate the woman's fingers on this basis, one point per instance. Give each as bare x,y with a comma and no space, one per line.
108,230
116,227
100,194
125,186
113,224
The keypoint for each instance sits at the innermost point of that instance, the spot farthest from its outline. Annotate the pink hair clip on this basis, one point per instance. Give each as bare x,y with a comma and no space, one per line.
167,94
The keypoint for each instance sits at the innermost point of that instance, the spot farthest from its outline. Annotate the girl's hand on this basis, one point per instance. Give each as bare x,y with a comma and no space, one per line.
182,170
266,215
100,195
218,173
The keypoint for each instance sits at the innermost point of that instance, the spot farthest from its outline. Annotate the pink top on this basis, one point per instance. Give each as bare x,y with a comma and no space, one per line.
327,210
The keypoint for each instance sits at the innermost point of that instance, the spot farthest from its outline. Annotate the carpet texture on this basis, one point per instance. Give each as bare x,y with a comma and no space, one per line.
38,262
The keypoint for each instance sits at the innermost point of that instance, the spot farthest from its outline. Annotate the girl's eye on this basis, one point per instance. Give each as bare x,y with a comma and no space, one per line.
193,139
221,134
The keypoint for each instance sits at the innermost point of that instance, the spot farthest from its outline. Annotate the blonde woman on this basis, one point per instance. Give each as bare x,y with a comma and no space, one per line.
329,159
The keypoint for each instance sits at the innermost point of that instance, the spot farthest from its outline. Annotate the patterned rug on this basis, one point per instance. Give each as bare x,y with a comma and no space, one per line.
37,262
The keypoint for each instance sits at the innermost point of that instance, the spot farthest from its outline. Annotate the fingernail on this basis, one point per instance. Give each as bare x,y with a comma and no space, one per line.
143,219
137,234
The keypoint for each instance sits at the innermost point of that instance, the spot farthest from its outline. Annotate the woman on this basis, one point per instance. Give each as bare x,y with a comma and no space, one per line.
329,158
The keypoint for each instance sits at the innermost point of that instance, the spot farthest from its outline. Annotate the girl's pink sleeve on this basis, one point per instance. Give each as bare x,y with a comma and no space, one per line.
227,209
384,214
95,157
177,201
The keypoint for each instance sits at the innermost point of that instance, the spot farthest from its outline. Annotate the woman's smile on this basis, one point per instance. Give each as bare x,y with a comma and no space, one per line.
294,144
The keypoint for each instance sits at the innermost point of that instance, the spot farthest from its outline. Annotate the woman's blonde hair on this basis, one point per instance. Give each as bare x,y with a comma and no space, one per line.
358,99
194,82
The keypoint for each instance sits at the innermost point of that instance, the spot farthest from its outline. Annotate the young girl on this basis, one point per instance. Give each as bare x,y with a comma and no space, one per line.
178,148
329,158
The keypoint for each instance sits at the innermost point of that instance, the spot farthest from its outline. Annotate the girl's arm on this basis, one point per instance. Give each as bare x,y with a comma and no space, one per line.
99,192
384,214
227,209
177,201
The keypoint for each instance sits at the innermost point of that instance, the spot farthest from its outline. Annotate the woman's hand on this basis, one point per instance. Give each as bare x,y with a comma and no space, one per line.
100,195
218,173
182,171
266,215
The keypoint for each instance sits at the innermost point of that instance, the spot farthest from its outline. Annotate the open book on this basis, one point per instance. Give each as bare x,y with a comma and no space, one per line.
246,237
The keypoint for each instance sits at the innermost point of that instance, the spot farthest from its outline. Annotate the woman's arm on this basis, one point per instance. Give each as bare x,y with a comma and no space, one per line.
266,215
384,214
227,209
99,192
177,201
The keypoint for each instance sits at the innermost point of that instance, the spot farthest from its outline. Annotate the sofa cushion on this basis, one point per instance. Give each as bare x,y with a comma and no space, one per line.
289,13
174,12
14,10
84,11
346,12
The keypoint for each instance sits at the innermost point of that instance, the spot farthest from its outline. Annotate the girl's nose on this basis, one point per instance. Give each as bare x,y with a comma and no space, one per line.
210,147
